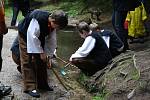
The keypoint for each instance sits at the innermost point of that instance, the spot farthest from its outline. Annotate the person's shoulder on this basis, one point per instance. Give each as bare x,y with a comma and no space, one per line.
39,12
106,32
96,34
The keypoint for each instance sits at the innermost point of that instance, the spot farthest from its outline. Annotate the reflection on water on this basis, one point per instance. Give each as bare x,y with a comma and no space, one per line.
68,42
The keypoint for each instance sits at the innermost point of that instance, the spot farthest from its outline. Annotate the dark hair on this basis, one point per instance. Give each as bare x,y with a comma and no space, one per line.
60,17
83,26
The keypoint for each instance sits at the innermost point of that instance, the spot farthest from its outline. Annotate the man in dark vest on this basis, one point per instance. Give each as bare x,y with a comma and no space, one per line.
121,7
94,54
37,42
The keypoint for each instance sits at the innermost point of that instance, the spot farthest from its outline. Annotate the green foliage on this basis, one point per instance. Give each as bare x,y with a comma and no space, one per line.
82,78
74,7
101,96
104,5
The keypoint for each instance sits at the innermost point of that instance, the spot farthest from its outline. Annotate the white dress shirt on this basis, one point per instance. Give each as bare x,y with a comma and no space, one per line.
34,44
106,39
85,49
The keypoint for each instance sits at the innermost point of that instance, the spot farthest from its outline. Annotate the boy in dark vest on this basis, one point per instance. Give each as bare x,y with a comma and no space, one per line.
112,40
94,54
37,40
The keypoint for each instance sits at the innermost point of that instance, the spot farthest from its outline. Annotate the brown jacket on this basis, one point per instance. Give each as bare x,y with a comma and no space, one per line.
3,27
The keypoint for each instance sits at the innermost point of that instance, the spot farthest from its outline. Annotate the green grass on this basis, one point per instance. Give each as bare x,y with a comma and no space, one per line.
9,13
72,8
101,96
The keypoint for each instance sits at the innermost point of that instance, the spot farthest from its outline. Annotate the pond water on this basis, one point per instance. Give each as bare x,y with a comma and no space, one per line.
68,42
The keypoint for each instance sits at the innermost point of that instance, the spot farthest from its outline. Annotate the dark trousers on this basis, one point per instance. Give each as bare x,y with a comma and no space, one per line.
1,45
34,71
87,66
118,19
16,12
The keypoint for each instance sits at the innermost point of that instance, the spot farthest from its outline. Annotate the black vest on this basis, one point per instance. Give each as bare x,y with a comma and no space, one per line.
42,18
115,43
100,52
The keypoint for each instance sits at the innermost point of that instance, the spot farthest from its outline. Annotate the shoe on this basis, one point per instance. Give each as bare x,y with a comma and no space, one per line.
141,40
131,41
5,90
33,93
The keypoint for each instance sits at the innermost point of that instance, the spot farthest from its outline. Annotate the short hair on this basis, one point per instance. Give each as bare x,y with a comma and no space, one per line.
60,17
83,26
93,26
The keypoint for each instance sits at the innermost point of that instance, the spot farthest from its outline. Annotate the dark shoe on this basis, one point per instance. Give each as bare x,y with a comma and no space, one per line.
137,40
33,93
5,90
131,41
141,40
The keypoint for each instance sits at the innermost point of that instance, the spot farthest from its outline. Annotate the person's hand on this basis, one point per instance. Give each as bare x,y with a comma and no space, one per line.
43,57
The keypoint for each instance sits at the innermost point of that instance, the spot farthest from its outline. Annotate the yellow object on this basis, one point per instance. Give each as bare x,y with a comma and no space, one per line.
136,20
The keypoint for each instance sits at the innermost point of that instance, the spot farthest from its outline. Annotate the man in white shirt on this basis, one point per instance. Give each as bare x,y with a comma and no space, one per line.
37,40
94,54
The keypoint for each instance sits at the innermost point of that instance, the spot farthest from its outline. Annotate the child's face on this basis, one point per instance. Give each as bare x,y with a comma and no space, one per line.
83,34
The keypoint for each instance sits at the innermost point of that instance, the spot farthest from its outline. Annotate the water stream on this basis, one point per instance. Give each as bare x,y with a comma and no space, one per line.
68,41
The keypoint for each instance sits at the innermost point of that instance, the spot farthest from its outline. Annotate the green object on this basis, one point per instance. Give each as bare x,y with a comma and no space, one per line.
62,71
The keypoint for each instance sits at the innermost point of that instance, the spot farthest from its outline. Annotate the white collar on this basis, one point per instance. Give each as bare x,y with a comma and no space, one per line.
102,30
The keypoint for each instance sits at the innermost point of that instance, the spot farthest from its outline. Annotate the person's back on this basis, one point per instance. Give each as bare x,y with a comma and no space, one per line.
100,50
112,40
114,44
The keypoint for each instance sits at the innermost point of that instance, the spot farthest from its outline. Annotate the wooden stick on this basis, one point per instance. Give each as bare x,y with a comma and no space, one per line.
65,62
62,60
57,76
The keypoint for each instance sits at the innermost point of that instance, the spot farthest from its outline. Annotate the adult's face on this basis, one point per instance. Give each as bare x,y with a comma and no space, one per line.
52,24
